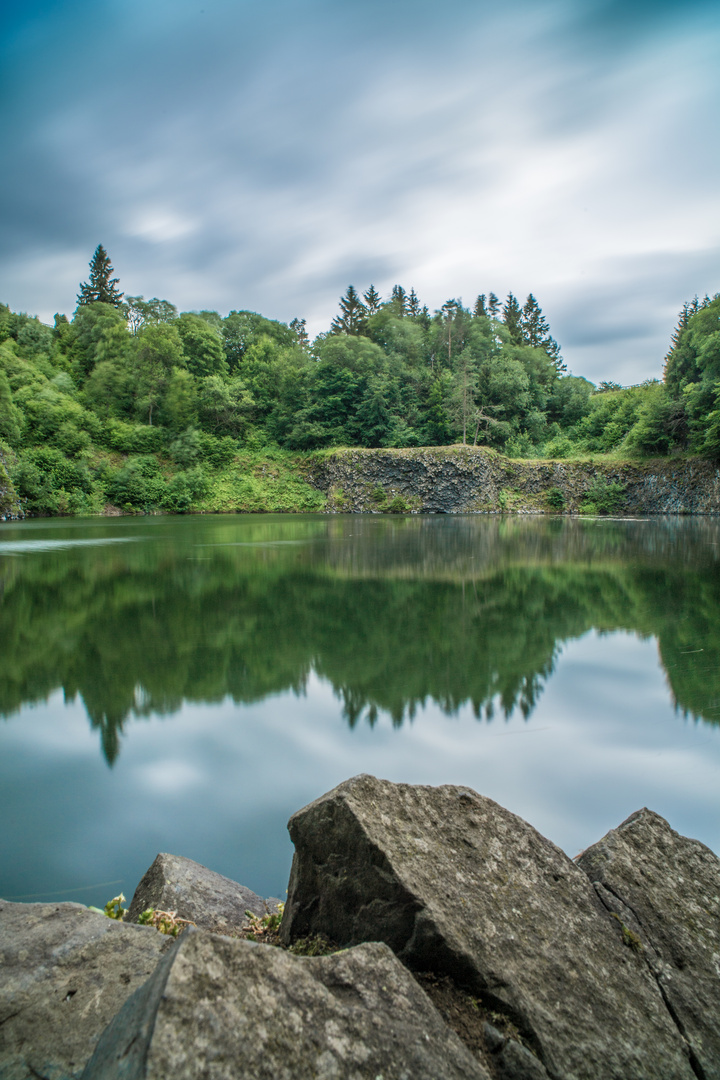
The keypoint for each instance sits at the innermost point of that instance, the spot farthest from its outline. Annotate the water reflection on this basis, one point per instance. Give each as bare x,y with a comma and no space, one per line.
393,614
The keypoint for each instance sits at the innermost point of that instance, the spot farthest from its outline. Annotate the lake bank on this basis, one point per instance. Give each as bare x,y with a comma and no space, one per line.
440,479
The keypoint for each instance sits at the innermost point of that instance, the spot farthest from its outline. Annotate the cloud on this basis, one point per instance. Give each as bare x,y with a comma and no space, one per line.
239,155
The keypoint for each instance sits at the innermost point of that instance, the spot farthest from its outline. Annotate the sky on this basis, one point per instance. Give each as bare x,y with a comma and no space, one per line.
231,154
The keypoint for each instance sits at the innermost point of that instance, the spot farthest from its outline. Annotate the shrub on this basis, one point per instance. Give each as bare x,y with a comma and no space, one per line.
603,497
555,499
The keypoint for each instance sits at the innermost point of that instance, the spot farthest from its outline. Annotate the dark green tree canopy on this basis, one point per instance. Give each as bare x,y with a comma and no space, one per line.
101,288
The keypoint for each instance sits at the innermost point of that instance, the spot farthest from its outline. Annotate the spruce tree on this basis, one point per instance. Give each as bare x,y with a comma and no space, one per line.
480,310
413,304
101,289
373,300
493,305
299,329
353,314
536,331
512,317
399,300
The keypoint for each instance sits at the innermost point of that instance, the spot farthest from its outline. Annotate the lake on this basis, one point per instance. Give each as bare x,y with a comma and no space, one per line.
184,684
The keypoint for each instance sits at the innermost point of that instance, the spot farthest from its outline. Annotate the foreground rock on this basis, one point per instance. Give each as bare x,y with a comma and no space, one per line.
231,1009
193,892
665,889
454,883
64,973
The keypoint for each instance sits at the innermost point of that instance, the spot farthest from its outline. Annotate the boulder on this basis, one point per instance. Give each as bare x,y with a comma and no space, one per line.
232,1009
193,892
455,884
665,890
64,973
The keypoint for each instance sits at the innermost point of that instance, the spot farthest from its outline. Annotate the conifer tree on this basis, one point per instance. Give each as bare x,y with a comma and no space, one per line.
493,305
372,300
536,331
480,310
353,314
512,317
101,289
399,300
413,304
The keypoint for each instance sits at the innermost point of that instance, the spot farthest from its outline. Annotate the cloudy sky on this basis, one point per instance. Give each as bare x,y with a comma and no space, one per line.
231,154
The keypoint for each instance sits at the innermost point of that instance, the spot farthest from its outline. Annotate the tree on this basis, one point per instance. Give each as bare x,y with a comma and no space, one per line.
202,346
299,329
536,331
413,304
372,300
141,312
399,300
101,288
493,305
480,311
353,314
512,317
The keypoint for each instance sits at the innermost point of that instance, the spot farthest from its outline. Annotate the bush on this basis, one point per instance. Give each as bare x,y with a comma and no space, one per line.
555,499
603,497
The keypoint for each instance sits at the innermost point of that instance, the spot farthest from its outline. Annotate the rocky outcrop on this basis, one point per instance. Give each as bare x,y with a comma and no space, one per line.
465,479
454,883
64,973
193,892
460,942
231,1009
665,891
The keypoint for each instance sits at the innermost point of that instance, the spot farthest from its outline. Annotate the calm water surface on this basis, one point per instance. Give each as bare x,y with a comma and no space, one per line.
185,684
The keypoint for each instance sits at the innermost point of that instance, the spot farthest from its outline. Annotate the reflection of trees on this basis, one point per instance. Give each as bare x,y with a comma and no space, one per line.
478,619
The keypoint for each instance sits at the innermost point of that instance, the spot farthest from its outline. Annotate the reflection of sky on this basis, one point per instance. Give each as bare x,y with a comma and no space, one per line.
232,154
218,783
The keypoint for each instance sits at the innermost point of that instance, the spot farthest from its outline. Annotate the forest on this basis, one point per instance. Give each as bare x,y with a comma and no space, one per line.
133,405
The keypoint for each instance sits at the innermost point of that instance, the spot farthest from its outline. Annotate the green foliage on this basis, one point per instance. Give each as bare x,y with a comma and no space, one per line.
114,908
603,497
101,288
165,922
555,499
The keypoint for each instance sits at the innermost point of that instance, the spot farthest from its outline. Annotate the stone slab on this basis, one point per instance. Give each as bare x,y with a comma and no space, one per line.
208,899
233,1010
455,884
666,889
64,973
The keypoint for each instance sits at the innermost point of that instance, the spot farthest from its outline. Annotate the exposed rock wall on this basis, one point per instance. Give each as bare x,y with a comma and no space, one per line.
464,479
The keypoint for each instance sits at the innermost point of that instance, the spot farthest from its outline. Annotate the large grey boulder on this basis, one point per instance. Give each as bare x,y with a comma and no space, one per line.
233,1010
64,973
665,889
193,892
455,884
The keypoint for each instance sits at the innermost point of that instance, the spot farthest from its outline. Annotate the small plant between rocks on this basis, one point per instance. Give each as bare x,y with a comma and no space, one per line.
165,922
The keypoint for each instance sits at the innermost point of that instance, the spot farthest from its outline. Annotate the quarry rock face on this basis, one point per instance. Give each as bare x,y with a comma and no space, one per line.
454,883
665,890
193,892
64,973
230,1009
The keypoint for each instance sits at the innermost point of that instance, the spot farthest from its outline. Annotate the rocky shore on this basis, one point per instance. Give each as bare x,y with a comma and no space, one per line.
466,479
428,933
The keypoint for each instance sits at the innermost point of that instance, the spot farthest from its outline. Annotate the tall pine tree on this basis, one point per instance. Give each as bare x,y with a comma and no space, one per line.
512,317
372,300
353,314
536,331
101,288
493,305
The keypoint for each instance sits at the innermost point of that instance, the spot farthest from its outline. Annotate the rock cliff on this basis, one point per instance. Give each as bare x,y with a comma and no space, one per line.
464,479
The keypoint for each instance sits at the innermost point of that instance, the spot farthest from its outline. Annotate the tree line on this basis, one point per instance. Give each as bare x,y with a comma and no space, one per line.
136,377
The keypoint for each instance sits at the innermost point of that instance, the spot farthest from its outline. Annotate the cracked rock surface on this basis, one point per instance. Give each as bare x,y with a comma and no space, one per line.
64,973
454,883
224,1008
666,889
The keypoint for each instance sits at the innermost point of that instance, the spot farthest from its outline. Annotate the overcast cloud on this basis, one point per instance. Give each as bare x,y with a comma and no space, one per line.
264,156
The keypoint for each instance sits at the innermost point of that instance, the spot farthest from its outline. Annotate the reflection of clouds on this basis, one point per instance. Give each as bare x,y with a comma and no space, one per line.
218,782
286,150
171,776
